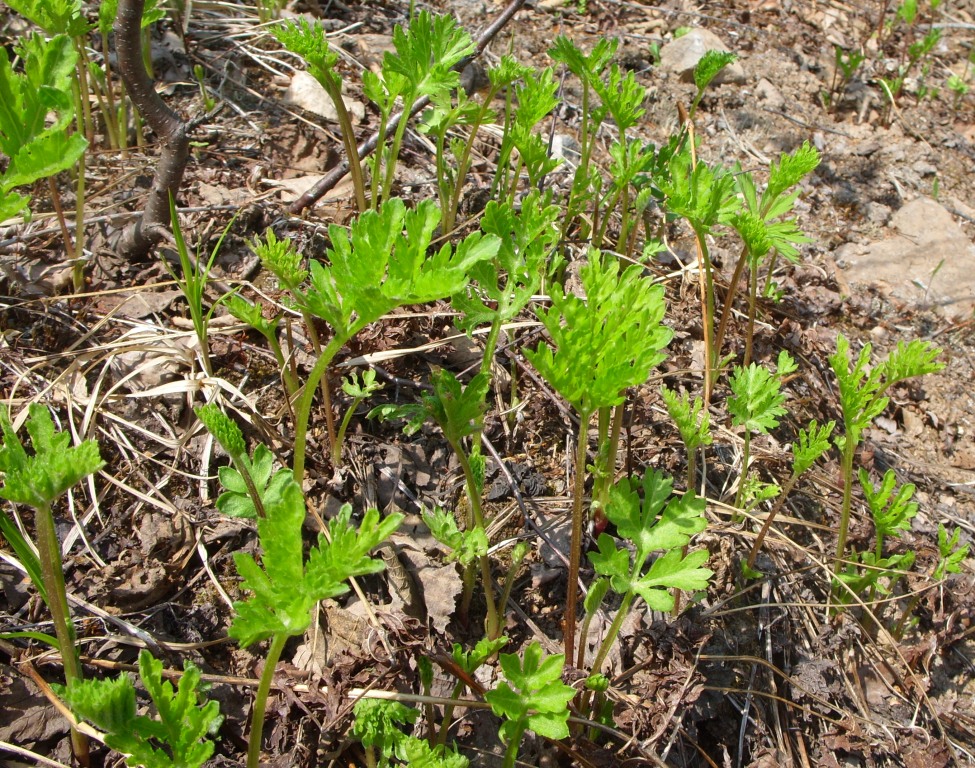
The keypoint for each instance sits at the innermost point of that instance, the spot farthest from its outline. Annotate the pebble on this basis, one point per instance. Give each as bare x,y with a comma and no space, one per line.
680,56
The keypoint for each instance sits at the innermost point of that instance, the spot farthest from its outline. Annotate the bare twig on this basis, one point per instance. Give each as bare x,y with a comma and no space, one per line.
146,232
366,148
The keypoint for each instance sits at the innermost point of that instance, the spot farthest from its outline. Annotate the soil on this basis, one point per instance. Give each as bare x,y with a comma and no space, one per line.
759,673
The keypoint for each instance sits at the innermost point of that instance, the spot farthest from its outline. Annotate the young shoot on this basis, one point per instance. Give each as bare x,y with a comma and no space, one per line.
657,522
600,346
38,480
756,404
532,697
179,736
287,585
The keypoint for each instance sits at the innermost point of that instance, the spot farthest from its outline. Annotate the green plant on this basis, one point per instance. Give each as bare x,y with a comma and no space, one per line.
208,101
249,480
253,316
381,263
657,522
453,109
421,67
192,279
862,392
358,392
459,411
532,697
287,587
38,480
763,230
810,445
708,68
845,65
467,663
376,725
756,402
600,346
178,737
308,40
39,147
693,423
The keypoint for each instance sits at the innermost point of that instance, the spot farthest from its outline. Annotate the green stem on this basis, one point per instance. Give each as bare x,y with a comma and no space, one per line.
740,495
340,437
333,86
394,149
786,490
729,300
614,630
849,448
511,753
252,491
52,571
752,304
707,301
303,411
78,269
260,699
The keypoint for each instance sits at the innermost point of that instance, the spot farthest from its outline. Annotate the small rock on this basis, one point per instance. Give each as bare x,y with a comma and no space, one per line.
680,56
927,262
306,92
768,93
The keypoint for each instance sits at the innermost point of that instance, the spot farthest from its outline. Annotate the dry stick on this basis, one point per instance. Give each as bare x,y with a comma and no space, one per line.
148,231
328,182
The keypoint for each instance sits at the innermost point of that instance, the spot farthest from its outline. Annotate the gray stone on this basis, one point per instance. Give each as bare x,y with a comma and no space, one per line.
928,261
680,56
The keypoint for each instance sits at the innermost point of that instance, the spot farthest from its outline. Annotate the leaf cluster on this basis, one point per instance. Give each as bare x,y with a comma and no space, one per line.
179,735
605,343
54,467
692,419
655,523
381,263
757,397
288,586
532,695
38,146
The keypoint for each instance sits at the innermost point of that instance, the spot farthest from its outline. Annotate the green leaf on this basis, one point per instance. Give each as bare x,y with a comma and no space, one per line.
952,553
810,445
652,524
692,419
470,661
427,52
376,724
757,399
178,737
417,753
710,65
789,171
309,41
46,155
533,695
907,360
891,512
605,343
704,196
464,546
54,16
382,262
280,257
586,68
622,97
368,387
501,287
223,428
287,587
55,467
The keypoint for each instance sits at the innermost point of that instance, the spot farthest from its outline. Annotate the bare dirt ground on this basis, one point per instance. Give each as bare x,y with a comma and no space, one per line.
756,675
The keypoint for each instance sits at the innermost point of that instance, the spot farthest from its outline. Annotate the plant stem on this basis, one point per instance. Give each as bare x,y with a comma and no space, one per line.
511,753
740,495
786,490
849,448
575,547
611,634
52,570
303,411
260,700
